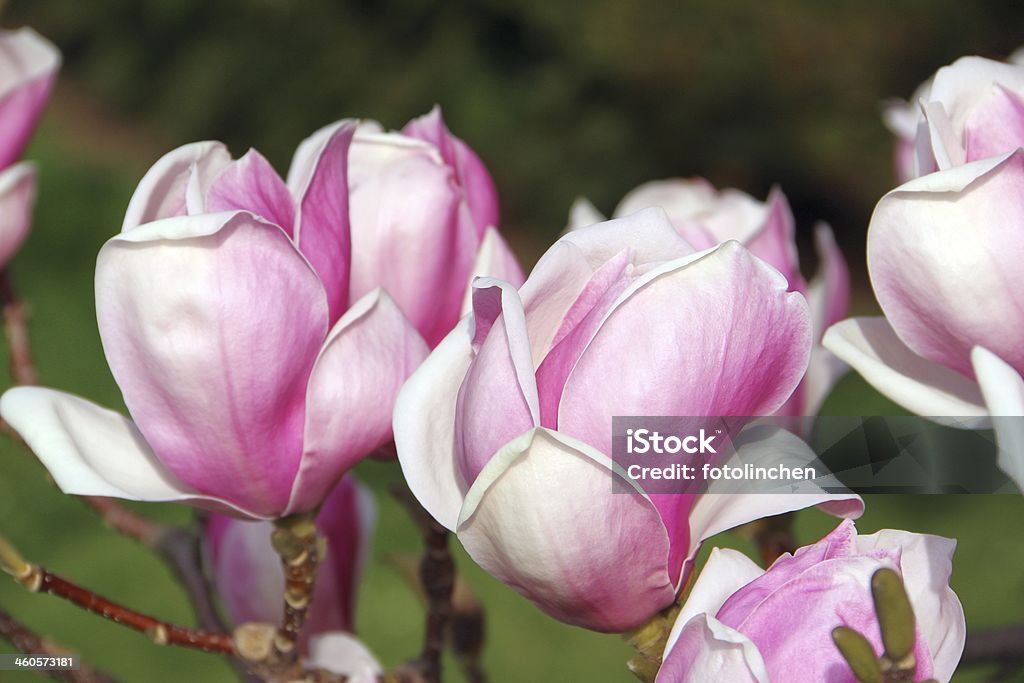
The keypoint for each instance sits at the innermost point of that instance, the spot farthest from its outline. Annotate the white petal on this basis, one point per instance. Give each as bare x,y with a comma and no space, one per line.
721,509
872,348
926,565
162,191
542,517
582,213
342,653
424,426
1003,389
725,572
89,450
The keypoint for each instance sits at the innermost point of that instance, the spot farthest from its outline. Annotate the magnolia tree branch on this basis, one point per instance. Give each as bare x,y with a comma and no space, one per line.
179,548
28,642
1004,645
37,579
437,575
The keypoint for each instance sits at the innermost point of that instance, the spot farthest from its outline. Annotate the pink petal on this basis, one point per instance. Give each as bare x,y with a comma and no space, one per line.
828,296
470,171
17,197
542,518
829,291
28,68
722,337
370,352
962,86
412,232
996,125
574,334
498,398
704,649
251,184
775,240
322,220
944,254
162,191
211,325
566,268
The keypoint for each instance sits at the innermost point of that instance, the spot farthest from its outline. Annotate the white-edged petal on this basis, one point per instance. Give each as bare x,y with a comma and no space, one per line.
871,347
424,426
1003,389
92,451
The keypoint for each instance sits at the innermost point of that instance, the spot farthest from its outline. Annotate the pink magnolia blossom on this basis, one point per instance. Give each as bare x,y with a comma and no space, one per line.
424,191
944,254
252,380
504,433
28,68
743,624
247,571
705,217
969,110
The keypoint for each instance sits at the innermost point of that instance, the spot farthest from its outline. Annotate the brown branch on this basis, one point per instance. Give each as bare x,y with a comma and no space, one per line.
179,548
437,575
23,370
28,642
774,537
1005,645
37,579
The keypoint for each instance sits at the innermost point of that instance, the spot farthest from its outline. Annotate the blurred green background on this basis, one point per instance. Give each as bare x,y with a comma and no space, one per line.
561,100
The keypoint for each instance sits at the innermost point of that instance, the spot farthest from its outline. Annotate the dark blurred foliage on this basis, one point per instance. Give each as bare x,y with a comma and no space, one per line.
560,98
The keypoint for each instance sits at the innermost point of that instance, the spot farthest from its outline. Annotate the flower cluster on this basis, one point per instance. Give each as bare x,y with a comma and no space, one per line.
268,333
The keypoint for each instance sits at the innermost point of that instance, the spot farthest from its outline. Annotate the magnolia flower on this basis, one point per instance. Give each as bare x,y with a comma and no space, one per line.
743,624
970,110
424,221
247,571
28,68
504,433
944,255
223,307
705,217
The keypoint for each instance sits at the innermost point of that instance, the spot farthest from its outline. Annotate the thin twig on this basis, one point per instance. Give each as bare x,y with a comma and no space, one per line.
23,371
437,574
28,642
37,579
178,547
1004,645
